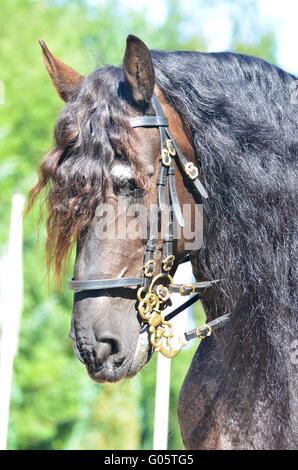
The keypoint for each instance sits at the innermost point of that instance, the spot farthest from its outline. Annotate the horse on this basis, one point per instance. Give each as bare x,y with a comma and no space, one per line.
234,118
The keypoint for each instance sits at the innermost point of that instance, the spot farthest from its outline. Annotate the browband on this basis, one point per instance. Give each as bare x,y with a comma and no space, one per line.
149,121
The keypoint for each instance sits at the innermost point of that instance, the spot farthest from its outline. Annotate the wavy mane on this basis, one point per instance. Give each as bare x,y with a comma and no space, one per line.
92,131
244,128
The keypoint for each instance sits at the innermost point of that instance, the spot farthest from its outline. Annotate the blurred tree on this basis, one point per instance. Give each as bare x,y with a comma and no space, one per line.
55,405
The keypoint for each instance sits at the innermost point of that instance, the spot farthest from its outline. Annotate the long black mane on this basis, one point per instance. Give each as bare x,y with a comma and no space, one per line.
244,126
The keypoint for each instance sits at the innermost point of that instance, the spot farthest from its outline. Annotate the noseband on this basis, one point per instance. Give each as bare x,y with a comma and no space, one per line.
153,292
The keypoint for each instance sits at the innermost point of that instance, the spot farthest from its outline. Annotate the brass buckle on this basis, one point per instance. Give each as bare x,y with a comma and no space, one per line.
187,289
149,268
141,293
165,157
163,293
147,305
168,262
160,277
191,170
200,335
170,147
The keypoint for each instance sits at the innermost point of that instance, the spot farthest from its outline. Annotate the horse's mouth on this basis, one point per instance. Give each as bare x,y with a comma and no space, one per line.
128,368
104,374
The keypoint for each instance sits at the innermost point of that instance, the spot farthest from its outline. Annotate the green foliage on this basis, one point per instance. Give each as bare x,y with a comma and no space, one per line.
265,47
54,404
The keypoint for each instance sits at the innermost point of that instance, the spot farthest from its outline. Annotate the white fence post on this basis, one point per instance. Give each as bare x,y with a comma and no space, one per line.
183,275
11,299
162,402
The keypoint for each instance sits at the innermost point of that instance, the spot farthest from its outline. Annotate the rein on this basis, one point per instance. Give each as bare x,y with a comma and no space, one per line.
153,292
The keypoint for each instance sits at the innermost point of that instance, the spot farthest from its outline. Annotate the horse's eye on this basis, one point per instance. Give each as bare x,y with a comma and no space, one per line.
120,157
136,193
134,190
128,188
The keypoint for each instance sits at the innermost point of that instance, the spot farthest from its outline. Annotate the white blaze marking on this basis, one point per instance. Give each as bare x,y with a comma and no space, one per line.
121,171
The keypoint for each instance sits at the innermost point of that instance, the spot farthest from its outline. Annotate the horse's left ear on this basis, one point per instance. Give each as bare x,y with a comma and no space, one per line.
138,69
65,79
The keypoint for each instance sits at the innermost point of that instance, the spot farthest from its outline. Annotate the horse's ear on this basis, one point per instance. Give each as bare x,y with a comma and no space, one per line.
65,79
138,69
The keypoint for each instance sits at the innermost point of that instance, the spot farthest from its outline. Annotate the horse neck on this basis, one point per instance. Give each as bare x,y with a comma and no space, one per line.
241,389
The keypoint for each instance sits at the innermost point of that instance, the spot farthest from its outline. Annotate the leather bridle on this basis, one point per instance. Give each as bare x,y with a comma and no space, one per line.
153,291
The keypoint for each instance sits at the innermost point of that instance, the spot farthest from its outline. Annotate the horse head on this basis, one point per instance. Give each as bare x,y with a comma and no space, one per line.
113,164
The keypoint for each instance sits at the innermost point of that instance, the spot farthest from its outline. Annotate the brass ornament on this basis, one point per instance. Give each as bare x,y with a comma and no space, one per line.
166,157
170,147
150,306
163,292
200,335
168,263
149,268
187,289
191,170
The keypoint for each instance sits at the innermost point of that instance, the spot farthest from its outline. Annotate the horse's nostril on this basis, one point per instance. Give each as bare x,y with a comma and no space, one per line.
109,349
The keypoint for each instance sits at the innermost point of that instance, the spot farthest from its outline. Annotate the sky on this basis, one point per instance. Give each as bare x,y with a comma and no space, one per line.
279,15
283,14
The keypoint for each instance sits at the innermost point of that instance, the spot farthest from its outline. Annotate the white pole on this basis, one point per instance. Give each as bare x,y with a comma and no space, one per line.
10,305
162,401
163,373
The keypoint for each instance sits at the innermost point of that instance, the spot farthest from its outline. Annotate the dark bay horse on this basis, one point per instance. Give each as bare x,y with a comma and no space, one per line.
236,118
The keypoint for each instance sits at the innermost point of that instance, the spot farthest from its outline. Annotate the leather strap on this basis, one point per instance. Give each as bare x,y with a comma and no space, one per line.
149,121
174,196
99,284
182,307
149,263
205,330
194,286
157,106
183,162
161,187
167,248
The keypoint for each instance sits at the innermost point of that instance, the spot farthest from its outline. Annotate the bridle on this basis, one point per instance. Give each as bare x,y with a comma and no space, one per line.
154,291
